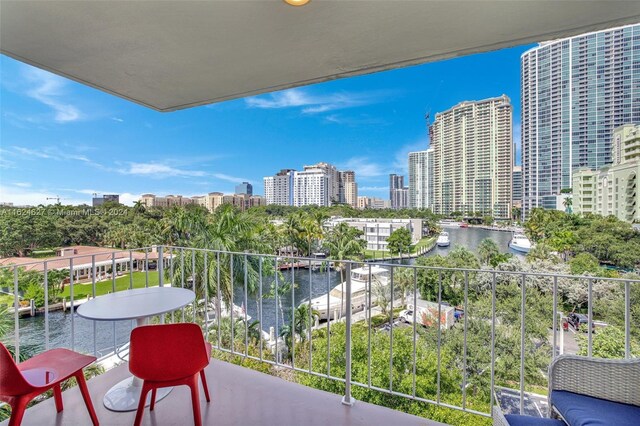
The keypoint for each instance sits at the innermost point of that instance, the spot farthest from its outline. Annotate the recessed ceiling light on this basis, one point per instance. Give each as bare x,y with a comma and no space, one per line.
297,2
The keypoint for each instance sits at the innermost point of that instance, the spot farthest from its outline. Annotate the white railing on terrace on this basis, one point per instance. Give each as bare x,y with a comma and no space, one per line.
253,278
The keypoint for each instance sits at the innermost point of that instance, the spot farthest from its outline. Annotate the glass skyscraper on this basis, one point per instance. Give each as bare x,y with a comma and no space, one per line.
574,92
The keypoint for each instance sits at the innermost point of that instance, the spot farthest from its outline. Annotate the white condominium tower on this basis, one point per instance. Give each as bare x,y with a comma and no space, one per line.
473,157
574,92
421,179
333,177
278,189
311,187
320,184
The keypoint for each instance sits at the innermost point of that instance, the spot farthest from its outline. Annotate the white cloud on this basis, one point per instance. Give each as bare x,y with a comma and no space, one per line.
229,178
23,184
50,153
159,170
21,196
119,120
364,167
314,104
48,89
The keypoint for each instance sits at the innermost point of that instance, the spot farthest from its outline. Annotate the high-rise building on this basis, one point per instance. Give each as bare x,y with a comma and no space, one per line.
421,179
395,182
244,188
311,187
278,189
348,188
612,190
333,180
473,158
516,197
574,92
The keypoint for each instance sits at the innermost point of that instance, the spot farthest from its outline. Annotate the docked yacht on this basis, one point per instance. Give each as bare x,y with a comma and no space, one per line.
238,312
520,242
334,305
443,240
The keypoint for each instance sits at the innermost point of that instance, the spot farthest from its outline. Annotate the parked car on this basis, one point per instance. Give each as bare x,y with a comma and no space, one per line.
580,322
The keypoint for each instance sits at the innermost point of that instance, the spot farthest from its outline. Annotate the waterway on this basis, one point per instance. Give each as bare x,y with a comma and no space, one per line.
308,284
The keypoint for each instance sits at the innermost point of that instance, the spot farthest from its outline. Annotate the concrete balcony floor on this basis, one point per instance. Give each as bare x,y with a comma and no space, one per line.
239,396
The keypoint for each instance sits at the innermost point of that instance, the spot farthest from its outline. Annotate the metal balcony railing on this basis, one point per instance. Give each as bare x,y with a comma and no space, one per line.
365,303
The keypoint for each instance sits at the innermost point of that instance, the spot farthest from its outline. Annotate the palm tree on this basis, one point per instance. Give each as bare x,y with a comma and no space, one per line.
310,231
344,243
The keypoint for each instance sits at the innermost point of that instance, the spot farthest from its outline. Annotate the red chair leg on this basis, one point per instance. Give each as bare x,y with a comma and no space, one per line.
195,400
84,390
17,411
204,385
141,404
153,399
57,396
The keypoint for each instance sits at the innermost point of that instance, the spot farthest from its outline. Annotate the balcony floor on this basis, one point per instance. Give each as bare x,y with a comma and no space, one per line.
239,396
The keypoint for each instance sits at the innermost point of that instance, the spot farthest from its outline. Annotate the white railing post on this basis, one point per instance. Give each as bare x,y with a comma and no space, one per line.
347,399
160,266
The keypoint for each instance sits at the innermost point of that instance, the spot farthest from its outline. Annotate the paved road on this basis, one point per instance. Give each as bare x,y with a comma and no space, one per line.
509,400
568,342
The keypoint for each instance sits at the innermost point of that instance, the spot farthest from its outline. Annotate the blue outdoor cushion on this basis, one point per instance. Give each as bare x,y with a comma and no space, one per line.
518,420
582,410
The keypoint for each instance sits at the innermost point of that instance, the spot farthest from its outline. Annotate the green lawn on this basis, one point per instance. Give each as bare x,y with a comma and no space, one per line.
122,283
378,254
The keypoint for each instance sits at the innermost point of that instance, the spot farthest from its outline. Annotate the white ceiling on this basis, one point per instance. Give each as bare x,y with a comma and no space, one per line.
169,55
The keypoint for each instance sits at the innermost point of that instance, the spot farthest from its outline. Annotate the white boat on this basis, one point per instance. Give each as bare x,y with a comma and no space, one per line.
239,312
443,240
334,305
520,242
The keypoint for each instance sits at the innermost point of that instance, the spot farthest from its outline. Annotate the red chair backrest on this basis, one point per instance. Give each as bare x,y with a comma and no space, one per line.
167,352
12,383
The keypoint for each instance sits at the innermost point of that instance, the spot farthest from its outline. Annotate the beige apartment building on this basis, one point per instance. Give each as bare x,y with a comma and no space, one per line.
348,188
473,157
211,201
612,190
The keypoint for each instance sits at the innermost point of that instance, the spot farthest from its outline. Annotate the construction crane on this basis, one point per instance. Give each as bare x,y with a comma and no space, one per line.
57,198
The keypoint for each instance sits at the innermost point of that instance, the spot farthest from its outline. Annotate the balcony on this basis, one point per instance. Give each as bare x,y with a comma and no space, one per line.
239,396
435,363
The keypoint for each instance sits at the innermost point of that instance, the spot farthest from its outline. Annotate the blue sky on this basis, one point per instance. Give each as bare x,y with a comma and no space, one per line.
58,137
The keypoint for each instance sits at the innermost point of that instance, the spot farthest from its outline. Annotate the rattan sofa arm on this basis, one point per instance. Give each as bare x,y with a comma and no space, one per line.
615,380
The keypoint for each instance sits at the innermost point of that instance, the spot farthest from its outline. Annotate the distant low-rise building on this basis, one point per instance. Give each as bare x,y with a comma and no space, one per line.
376,231
612,190
106,198
372,203
211,201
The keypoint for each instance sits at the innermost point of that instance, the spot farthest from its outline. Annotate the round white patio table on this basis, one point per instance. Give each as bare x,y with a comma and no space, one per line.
138,304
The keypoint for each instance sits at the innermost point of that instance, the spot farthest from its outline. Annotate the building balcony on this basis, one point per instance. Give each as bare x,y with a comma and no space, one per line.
239,396
447,359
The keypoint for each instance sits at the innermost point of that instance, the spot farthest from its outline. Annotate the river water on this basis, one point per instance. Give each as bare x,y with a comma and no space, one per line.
308,284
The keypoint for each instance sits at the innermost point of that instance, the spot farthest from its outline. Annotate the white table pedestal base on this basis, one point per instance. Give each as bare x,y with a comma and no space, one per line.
125,395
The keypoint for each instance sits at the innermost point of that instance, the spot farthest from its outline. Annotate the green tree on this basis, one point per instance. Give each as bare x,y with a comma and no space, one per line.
606,343
449,276
399,241
584,263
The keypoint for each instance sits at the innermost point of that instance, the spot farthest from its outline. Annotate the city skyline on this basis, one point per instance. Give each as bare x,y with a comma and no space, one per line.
52,127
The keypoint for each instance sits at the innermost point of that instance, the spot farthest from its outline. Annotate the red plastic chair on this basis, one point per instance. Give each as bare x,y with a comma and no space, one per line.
20,383
169,355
